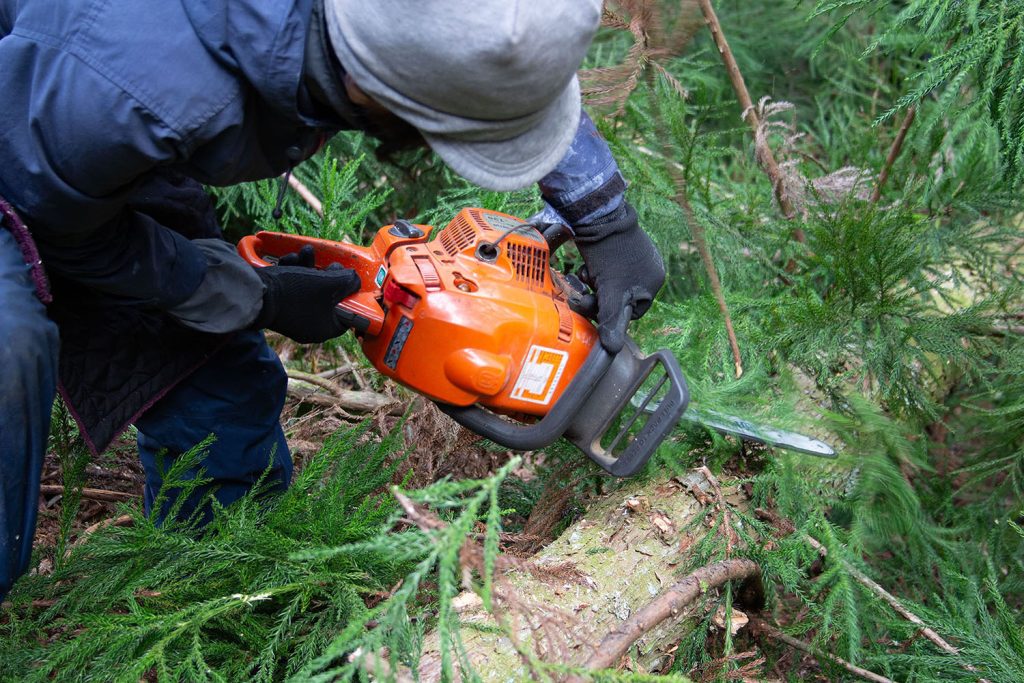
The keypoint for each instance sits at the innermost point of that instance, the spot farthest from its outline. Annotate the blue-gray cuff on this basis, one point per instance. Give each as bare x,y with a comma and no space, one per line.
586,185
230,295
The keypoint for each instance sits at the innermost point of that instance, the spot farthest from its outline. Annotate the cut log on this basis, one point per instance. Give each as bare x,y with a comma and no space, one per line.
627,551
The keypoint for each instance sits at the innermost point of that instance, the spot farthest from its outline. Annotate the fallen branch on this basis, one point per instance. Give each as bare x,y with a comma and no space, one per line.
761,626
361,401
91,494
668,604
894,152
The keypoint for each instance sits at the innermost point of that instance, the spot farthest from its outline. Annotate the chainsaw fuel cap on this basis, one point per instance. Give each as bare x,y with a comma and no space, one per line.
405,229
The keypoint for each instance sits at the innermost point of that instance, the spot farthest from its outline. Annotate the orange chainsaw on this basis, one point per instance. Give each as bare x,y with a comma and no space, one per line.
478,321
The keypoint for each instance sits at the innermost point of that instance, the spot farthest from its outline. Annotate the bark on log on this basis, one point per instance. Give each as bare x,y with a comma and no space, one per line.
628,549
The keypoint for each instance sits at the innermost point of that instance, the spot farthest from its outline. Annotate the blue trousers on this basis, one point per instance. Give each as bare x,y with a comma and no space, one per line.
237,397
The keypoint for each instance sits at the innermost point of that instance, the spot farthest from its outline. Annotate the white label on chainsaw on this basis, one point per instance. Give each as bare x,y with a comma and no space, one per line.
540,374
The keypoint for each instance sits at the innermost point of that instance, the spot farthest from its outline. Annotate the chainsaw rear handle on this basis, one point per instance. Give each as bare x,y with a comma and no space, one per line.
359,311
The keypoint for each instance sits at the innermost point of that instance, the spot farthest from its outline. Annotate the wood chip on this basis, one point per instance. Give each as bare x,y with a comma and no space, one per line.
739,619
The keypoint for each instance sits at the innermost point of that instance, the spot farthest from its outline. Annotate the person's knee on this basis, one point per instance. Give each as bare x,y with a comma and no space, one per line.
28,353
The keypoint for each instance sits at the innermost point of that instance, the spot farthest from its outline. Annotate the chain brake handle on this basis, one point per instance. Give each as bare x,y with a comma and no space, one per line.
360,311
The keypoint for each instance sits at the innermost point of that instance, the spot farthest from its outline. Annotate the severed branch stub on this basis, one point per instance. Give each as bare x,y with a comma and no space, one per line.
670,603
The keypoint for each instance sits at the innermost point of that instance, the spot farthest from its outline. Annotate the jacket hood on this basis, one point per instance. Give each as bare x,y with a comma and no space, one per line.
236,34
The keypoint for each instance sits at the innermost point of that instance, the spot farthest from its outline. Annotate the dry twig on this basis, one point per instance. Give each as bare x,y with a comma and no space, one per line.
761,626
91,494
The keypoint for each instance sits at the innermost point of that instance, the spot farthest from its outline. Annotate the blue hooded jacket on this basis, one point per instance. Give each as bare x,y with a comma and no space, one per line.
110,110
97,95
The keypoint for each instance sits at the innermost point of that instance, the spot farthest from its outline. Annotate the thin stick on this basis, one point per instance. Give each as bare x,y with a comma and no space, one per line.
699,238
668,604
682,198
91,494
306,194
762,626
749,113
894,152
123,520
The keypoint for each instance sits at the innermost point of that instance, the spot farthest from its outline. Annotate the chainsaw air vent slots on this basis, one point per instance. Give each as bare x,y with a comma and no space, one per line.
530,263
457,236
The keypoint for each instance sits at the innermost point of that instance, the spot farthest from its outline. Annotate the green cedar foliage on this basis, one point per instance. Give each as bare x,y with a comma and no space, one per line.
894,328
226,603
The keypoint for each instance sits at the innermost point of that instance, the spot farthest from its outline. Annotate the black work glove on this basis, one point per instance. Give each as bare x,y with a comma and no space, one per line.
624,268
300,301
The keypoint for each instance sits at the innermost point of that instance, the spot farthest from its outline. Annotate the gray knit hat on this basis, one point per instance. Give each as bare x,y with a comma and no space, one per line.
491,84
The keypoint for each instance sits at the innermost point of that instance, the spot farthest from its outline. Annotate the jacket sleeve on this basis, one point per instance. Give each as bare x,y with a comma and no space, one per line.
73,146
586,185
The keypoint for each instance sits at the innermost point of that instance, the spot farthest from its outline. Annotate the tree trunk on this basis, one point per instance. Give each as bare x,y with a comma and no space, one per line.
629,549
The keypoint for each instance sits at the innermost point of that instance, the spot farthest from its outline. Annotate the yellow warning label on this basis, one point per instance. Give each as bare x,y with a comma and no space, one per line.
540,374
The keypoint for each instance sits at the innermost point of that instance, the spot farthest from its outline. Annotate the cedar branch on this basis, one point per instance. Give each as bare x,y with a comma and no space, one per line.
894,152
788,527
668,604
771,167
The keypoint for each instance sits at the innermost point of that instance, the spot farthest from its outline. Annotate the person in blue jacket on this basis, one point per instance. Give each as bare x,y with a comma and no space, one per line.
115,285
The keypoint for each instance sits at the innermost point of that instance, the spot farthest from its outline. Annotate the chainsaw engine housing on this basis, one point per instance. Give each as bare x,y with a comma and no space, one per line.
467,322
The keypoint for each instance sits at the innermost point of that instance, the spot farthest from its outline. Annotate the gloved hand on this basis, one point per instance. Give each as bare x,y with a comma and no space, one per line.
624,268
300,301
